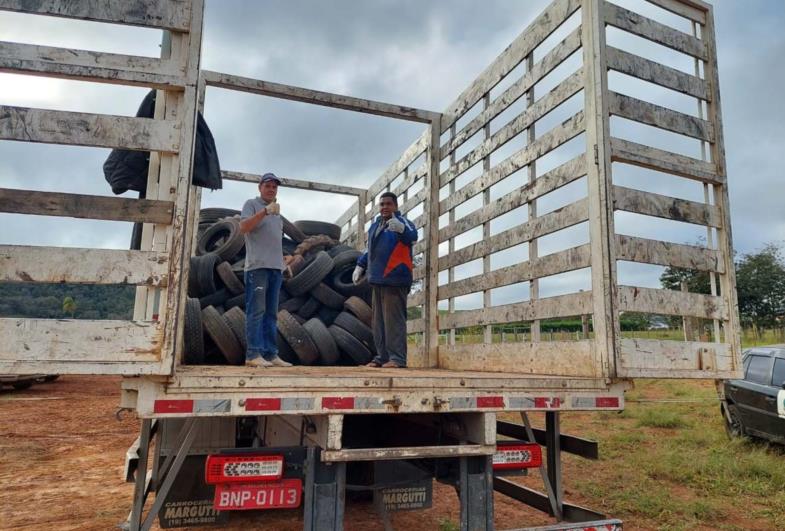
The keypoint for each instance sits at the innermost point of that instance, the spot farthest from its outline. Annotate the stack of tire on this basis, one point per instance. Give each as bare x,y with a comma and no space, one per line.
323,318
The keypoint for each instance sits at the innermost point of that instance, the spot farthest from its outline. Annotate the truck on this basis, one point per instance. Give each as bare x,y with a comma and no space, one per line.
571,103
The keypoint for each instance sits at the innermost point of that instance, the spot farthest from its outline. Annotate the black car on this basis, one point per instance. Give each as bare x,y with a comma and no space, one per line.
755,406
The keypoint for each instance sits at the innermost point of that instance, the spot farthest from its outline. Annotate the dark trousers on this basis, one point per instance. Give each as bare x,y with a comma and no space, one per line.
389,323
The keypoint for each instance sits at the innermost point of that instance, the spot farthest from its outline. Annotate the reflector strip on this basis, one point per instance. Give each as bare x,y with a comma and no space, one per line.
547,402
338,402
606,401
262,404
490,401
173,406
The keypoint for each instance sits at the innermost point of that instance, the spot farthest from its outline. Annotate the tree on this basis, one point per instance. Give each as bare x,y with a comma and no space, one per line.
760,280
69,306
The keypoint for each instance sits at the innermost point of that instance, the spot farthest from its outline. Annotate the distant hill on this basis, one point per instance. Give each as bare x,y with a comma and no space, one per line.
46,301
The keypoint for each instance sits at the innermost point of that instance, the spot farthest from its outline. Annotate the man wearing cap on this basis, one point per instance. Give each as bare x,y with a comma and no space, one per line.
261,223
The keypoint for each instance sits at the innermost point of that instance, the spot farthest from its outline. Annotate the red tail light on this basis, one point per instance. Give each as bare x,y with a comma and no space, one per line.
243,468
517,455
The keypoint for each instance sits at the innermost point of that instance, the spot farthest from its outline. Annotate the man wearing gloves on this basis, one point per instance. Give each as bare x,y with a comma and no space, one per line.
262,226
388,260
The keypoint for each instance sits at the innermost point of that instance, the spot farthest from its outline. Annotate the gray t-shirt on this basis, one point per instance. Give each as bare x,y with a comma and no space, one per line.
263,242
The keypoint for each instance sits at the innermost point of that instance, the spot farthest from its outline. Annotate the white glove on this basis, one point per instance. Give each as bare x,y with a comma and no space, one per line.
357,275
395,225
273,208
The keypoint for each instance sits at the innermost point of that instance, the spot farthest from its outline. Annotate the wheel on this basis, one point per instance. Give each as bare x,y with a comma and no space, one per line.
733,426
24,384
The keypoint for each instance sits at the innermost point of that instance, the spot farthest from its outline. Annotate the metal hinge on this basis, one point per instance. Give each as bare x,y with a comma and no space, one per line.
596,155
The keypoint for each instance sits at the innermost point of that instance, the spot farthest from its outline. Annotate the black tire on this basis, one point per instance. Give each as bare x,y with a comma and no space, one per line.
342,283
309,309
201,275
294,334
285,352
229,279
238,301
311,275
235,318
328,296
346,259
313,228
328,350
51,377
360,309
193,334
223,337
338,249
23,384
350,345
223,238
291,230
218,298
292,305
288,246
211,215
313,244
327,315
357,328
300,319
734,427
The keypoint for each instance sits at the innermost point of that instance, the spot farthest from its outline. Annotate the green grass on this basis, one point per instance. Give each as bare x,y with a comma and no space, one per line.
661,417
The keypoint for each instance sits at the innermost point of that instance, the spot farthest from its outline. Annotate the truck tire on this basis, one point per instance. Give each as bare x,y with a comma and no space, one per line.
201,276
238,301
733,425
328,350
313,244
211,215
292,305
309,309
214,299
311,275
297,337
229,279
360,309
345,260
342,283
327,315
357,328
291,230
235,318
350,345
328,296
340,248
313,228
288,245
285,352
193,333
223,337
223,238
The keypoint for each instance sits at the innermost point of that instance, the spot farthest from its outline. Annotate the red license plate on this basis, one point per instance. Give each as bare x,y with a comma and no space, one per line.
283,494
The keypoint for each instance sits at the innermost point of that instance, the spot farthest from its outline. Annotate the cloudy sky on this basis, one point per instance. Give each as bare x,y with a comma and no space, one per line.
409,52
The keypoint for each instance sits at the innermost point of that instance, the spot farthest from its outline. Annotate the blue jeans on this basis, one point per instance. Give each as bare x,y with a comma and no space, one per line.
262,287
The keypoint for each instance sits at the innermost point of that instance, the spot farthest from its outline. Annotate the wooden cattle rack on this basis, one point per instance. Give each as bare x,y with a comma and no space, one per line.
473,183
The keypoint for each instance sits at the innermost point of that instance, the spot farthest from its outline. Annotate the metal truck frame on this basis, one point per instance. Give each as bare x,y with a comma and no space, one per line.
449,179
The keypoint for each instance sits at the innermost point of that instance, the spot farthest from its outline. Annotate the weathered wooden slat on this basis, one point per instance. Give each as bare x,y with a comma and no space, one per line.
658,354
85,206
545,66
415,299
546,183
172,14
414,326
20,263
82,129
414,200
316,97
539,30
569,358
546,308
668,254
551,222
543,145
85,65
552,264
653,72
669,302
654,31
411,154
664,161
561,93
662,117
67,340
683,9
666,207
294,183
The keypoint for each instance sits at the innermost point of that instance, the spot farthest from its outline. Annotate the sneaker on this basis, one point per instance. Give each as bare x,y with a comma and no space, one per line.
278,362
258,362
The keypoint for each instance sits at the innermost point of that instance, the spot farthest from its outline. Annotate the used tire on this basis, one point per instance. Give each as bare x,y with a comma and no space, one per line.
285,352
313,244
292,305
238,301
223,337
311,275
309,309
312,228
211,215
328,296
342,283
235,318
340,248
297,337
193,334
223,238
357,328
291,230
328,350
214,299
201,275
229,279
360,309
327,315
346,259
350,345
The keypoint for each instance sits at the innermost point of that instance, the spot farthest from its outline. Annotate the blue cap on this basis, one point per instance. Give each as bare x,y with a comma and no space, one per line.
269,177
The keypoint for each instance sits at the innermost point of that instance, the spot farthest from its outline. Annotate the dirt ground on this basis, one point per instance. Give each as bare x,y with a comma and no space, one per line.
61,465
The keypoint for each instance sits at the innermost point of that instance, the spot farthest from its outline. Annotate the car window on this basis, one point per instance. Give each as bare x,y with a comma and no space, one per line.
779,372
758,369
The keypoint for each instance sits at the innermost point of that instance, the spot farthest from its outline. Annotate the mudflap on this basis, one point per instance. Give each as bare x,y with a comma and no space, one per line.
190,500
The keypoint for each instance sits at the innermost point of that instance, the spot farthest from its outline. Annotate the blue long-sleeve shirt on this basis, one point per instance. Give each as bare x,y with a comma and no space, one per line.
388,258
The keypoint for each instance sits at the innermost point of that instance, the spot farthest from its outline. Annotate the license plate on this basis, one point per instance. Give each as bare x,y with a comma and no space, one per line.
284,494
